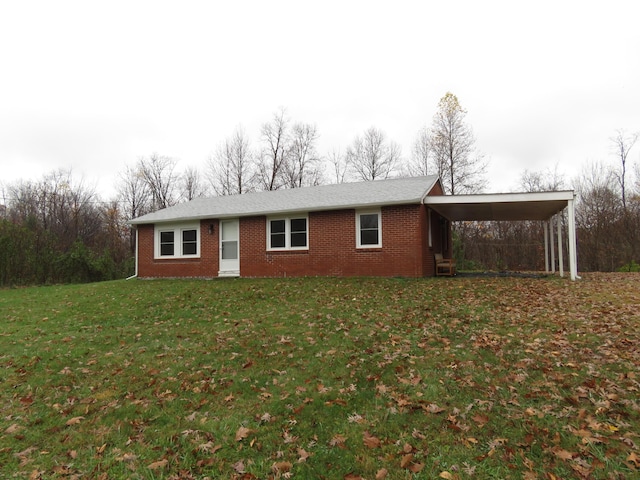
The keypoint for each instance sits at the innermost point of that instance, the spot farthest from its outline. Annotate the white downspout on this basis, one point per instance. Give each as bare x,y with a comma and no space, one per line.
135,274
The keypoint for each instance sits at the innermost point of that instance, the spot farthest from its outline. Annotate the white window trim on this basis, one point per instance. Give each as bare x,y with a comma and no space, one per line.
177,229
368,212
287,233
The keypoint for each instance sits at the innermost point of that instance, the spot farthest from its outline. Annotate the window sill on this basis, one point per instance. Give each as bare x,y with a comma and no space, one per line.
170,259
284,250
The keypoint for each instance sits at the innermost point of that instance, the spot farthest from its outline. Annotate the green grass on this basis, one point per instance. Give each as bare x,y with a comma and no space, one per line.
322,378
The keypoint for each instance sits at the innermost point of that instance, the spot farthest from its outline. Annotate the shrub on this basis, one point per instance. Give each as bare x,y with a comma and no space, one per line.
632,266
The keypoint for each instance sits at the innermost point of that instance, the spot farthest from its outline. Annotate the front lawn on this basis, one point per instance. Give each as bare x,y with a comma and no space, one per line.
523,378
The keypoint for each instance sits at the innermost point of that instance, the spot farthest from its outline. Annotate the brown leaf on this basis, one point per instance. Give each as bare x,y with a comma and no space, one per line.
36,474
562,453
446,475
242,433
74,421
337,440
633,458
13,429
281,467
481,420
406,460
370,441
416,467
433,408
303,455
382,474
158,465
25,453
239,466
127,458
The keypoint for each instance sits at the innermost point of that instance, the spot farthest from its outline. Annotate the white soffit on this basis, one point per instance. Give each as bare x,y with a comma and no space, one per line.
500,206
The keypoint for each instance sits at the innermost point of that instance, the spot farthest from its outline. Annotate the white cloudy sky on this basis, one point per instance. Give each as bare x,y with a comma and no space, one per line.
92,86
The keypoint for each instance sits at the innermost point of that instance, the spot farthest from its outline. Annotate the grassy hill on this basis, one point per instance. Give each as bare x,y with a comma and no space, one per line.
322,378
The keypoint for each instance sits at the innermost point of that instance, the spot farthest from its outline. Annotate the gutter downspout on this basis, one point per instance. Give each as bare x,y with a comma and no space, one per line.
136,258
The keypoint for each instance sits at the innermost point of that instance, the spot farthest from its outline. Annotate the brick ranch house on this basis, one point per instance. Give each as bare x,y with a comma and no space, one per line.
380,228
384,228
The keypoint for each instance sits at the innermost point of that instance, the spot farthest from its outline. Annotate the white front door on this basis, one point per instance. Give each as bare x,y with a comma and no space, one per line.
229,248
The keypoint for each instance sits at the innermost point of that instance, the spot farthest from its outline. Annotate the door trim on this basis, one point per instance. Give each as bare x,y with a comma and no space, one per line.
234,271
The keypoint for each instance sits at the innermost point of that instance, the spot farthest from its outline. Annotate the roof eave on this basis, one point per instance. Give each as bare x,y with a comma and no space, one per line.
274,213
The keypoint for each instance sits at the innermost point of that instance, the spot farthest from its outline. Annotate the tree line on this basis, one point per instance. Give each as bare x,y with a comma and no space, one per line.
58,229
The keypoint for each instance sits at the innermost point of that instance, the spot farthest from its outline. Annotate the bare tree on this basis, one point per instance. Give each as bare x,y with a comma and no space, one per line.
134,193
418,164
230,169
340,166
273,158
191,184
622,144
455,159
542,181
302,166
372,156
135,196
598,219
158,171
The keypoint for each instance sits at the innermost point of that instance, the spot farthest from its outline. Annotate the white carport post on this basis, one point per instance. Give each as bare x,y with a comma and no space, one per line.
553,250
571,226
546,246
560,255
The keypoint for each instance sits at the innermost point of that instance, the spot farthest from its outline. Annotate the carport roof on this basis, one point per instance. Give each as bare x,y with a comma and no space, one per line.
500,206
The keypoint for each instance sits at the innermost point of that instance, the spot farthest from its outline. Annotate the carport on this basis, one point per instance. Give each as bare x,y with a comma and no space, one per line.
542,206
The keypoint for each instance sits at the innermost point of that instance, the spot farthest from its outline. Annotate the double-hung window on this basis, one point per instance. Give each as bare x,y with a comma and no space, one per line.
368,229
290,233
177,241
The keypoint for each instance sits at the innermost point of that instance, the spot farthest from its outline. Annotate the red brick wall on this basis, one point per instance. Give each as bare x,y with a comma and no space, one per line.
206,266
332,248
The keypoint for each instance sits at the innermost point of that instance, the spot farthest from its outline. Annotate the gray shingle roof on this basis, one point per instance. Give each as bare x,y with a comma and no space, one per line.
308,199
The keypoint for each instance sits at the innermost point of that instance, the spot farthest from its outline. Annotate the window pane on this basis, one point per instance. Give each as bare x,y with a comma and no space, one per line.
299,232
166,237
166,244
299,239
189,244
189,249
369,237
299,225
229,230
229,250
277,240
277,226
369,220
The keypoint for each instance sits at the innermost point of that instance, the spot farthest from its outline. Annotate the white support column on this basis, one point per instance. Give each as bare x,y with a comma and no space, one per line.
553,250
546,246
560,254
571,227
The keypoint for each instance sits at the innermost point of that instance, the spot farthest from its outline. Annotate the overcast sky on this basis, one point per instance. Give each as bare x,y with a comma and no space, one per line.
92,86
